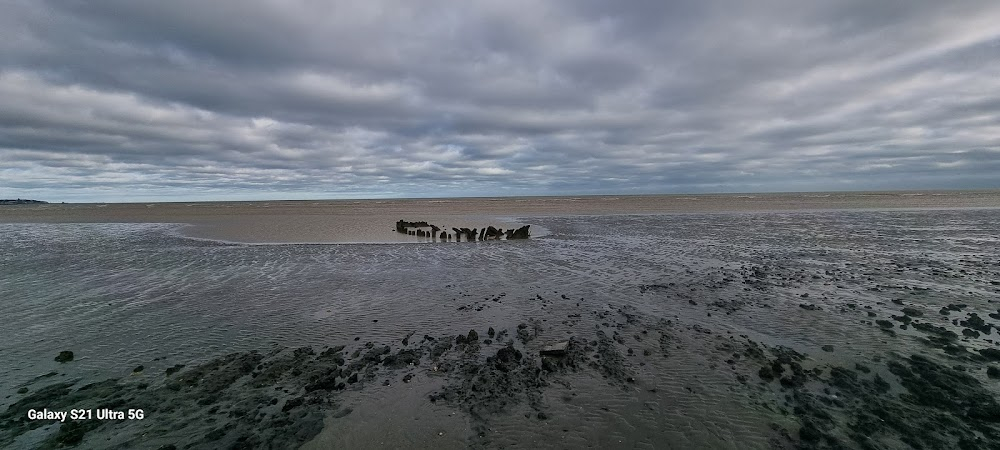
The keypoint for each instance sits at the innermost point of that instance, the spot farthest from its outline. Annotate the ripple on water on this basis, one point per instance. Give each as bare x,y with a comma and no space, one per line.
130,294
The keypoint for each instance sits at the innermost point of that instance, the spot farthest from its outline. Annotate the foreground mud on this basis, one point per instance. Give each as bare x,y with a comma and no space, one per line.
280,399
825,330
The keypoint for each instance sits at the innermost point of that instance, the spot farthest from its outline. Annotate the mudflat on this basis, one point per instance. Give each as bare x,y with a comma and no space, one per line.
865,322
329,221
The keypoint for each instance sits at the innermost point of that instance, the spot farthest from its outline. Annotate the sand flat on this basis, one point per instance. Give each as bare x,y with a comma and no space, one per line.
343,221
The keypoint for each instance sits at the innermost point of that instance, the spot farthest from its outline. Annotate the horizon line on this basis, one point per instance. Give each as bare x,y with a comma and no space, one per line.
996,189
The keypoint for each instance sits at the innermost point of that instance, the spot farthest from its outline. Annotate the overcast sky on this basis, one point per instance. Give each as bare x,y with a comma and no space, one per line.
125,100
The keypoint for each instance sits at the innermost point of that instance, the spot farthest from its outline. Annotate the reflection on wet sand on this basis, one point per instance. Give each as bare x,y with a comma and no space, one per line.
834,327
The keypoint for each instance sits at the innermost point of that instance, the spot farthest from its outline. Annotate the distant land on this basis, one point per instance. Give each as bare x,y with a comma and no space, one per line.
20,201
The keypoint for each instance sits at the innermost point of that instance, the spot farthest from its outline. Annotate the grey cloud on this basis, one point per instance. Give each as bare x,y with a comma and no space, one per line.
184,99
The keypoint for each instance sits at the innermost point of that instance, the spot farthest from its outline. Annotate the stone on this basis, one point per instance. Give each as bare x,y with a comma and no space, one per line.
402,225
64,356
520,233
556,349
990,353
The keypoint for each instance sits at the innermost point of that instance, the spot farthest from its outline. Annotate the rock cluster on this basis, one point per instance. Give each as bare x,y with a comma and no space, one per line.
424,229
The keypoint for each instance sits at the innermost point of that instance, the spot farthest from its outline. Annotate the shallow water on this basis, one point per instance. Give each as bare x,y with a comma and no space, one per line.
361,221
121,295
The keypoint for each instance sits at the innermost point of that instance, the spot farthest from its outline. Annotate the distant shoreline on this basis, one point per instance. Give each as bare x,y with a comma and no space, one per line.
21,201
914,192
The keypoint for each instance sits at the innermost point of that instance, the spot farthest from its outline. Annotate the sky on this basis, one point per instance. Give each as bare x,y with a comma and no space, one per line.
124,100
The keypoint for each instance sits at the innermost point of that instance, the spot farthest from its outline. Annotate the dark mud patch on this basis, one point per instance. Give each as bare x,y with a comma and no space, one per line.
279,399
512,379
221,403
910,402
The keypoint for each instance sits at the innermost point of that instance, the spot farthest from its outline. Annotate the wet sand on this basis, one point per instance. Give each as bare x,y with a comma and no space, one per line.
800,328
356,221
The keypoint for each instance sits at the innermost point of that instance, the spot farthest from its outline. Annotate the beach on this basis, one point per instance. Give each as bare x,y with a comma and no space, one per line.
793,320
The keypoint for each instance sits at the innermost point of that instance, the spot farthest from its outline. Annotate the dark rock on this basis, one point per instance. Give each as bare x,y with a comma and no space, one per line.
827,348
976,323
810,433
473,336
939,332
326,381
64,356
402,225
990,353
520,233
556,349
176,368
508,357
138,369
293,403
993,372
912,312
403,358
903,319
884,323
71,433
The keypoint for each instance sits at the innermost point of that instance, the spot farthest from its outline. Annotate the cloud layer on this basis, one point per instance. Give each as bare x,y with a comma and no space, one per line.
119,100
